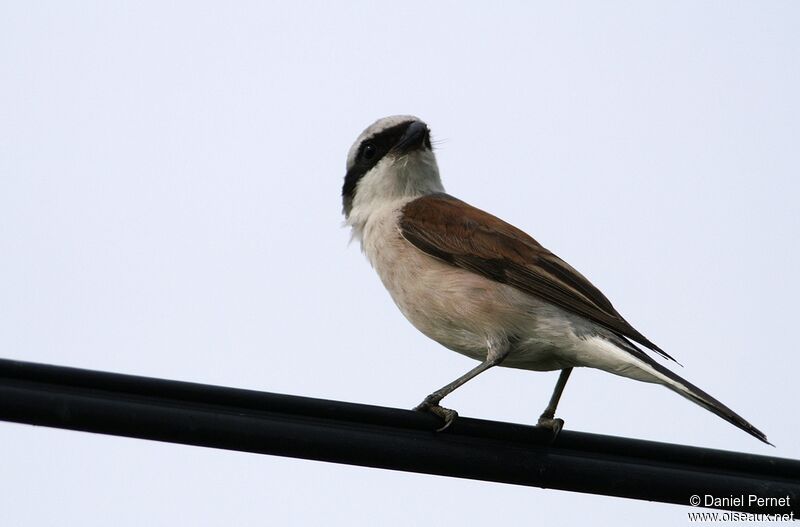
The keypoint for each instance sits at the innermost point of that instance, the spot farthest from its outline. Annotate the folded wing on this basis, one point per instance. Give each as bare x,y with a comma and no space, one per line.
467,237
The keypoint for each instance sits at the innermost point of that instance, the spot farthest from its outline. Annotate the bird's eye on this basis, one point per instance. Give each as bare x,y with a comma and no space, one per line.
369,151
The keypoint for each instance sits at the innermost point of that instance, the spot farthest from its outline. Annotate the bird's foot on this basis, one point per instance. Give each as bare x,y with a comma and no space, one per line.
554,424
431,405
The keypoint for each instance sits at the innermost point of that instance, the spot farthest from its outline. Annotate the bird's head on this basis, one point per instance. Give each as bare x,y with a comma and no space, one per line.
392,159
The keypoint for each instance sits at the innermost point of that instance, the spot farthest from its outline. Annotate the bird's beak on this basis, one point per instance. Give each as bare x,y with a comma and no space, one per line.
416,137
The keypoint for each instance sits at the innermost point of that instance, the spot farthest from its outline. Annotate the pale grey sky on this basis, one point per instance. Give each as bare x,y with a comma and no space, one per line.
169,206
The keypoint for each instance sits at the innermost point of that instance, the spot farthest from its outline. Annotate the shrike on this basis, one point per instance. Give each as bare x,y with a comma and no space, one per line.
482,287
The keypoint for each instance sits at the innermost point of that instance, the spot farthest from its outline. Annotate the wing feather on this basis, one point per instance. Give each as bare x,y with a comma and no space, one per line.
467,237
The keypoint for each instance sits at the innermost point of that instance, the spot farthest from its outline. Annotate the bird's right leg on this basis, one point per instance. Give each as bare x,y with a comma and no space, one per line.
548,418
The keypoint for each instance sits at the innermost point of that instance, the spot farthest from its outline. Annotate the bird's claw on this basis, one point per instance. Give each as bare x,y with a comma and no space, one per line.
552,423
446,414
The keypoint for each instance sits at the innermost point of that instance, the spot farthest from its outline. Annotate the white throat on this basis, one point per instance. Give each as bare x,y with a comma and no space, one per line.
392,182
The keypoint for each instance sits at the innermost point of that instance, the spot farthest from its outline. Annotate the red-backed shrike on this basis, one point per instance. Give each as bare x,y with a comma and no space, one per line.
480,286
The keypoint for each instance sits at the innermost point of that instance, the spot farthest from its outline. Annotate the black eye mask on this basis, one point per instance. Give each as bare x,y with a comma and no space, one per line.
370,152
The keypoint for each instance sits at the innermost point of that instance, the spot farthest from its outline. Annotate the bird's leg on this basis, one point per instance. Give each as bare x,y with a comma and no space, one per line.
548,417
431,402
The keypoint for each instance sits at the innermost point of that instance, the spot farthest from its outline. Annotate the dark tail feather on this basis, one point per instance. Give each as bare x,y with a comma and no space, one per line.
698,396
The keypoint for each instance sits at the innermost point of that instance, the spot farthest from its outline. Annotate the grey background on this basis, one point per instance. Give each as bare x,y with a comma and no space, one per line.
169,206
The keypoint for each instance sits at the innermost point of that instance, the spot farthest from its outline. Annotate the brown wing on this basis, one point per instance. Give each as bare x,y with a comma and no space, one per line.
462,235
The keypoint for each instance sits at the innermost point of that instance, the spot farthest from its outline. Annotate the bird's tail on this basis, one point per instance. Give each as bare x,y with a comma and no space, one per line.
638,365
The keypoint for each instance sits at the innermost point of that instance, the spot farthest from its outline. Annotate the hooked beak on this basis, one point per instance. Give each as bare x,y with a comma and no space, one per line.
417,136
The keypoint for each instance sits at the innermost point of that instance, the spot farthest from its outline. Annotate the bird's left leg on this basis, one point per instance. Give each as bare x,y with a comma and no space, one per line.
494,356
548,417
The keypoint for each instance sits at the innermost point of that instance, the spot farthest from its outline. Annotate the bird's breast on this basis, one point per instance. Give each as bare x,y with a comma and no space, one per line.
459,309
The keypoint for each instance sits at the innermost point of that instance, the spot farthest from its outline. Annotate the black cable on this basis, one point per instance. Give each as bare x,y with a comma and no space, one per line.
267,423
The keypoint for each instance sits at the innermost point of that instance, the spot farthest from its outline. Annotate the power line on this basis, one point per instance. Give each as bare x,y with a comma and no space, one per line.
371,436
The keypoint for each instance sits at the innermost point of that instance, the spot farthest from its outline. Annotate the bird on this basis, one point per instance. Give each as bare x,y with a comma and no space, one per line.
480,286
